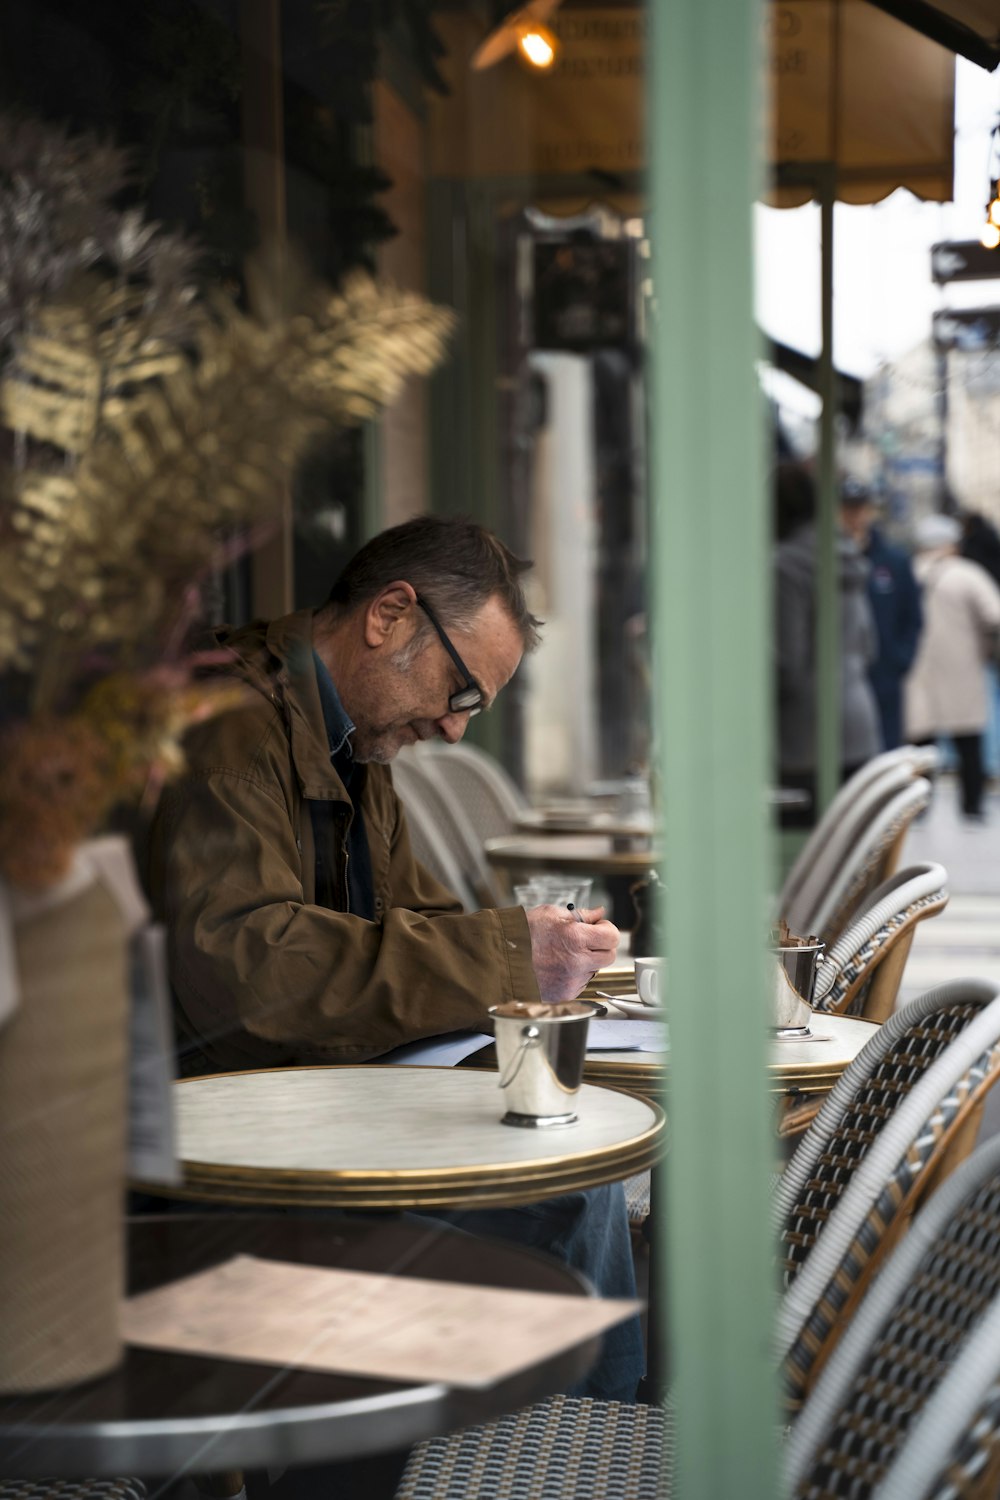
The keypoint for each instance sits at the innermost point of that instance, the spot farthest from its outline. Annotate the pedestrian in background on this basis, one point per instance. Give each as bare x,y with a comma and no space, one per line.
981,544
795,641
946,691
894,597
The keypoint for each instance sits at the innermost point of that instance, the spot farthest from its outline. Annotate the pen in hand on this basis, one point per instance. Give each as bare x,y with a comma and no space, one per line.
578,917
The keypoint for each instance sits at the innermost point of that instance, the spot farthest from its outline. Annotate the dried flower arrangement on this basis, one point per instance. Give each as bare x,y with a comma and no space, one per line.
140,424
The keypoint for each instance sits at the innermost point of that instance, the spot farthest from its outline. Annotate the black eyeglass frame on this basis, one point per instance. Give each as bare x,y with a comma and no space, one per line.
468,699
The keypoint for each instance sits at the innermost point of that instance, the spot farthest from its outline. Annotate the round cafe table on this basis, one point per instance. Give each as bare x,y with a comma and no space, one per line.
794,1067
394,1137
577,822
579,854
582,818
163,1413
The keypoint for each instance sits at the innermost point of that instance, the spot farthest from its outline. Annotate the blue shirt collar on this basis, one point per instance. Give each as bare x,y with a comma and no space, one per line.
338,726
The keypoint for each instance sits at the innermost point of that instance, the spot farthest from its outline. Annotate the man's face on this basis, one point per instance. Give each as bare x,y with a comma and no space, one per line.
404,699
857,521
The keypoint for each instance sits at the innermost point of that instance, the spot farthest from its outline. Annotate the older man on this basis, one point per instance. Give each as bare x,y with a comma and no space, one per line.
301,928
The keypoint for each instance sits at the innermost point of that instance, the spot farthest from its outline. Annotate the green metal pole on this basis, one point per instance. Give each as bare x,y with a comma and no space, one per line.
711,550
828,756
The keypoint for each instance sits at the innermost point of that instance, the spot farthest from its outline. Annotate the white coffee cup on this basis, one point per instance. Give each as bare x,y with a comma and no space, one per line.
650,979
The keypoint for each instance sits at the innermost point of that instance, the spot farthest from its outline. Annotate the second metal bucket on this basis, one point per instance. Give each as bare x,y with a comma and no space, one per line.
794,984
541,1059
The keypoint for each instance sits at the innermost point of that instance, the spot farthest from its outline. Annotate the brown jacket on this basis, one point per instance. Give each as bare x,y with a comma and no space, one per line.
263,976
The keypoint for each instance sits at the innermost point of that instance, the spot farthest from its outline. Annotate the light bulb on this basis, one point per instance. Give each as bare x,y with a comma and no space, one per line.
538,46
990,237
994,212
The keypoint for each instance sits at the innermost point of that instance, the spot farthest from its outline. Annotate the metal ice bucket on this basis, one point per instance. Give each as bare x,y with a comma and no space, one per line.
794,985
541,1059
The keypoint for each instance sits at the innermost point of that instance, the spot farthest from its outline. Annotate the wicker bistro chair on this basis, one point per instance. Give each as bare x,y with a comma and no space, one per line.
908,1407
953,1452
72,1489
844,817
416,779
896,1123
567,1449
561,1449
489,798
860,974
872,858
428,837
913,1381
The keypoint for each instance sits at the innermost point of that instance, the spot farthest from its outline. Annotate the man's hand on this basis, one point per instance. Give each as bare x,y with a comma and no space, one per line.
565,952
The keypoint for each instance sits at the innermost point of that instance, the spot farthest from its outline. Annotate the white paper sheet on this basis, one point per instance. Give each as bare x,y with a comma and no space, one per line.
382,1327
627,1036
439,1051
603,1035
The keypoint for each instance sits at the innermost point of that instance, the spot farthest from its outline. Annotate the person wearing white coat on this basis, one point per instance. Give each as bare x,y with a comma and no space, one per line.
946,690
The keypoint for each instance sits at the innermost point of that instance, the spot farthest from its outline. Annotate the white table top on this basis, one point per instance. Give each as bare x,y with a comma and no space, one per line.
395,1136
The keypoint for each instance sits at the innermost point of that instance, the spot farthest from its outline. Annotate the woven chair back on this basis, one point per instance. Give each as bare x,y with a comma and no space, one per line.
488,797
912,1344
899,1120
952,1451
883,928
840,821
428,838
872,858
425,771
72,1489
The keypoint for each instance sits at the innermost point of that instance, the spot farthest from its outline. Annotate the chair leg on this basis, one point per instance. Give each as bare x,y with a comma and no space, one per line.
655,1383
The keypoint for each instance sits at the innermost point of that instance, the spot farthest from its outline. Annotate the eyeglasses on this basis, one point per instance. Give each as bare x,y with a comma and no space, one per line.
469,698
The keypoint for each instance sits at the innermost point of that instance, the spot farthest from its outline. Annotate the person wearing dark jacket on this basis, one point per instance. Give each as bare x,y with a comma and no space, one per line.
981,544
795,566
894,596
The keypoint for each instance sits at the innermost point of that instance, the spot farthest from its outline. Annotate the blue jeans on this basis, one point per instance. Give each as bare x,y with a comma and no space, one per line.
588,1231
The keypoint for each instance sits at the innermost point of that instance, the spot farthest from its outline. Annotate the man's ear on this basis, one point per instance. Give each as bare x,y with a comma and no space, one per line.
391,615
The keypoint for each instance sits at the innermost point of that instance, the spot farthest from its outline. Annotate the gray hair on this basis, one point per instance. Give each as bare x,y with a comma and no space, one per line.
452,562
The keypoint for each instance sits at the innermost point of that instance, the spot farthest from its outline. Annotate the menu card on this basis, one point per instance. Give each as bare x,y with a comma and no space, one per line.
354,1322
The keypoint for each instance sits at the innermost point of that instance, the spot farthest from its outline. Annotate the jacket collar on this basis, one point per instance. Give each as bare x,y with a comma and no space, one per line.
290,641
336,718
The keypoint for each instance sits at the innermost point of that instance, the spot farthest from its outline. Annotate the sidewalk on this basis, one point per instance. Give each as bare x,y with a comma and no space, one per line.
964,941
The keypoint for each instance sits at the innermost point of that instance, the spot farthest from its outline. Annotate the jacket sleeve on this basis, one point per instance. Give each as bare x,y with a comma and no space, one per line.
985,598
259,972
793,635
910,616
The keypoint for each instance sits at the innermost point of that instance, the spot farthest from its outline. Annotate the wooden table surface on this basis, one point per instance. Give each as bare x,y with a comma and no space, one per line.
394,1137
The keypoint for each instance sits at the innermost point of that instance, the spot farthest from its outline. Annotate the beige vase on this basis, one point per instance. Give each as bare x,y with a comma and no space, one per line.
62,1137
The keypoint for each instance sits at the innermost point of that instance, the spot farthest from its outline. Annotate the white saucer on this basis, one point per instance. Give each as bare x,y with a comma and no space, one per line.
632,1006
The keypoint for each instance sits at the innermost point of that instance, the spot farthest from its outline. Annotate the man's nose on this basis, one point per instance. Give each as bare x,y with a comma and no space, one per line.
451,727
